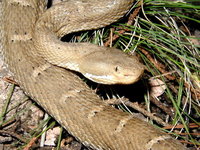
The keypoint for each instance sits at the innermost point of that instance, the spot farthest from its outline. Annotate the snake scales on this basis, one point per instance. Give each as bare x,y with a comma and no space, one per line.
60,92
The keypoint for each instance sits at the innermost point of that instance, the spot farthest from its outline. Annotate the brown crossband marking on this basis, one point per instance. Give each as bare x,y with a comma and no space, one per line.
156,140
20,2
69,94
22,37
37,71
96,110
122,124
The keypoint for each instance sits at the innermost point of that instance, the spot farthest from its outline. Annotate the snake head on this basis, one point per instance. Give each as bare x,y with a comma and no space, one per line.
112,67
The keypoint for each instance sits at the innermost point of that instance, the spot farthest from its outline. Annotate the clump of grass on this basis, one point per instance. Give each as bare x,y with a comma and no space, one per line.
163,34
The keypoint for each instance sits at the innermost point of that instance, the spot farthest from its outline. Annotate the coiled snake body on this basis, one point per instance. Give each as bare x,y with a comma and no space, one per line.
29,41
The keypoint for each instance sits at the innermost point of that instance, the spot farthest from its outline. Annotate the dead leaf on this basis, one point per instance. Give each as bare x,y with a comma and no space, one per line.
157,87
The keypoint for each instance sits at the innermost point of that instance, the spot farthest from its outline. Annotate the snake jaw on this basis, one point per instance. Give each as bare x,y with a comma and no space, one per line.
103,79
118,78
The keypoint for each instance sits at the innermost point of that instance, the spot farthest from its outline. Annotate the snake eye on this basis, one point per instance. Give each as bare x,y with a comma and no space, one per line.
116,69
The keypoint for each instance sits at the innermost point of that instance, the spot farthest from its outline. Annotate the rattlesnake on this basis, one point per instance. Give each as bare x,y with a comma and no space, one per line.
59,91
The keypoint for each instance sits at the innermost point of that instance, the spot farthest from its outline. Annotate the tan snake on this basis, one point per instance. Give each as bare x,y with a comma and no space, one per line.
28,31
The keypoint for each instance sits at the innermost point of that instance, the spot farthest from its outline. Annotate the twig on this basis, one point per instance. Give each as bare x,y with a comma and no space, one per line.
191,143
162,106
146,113
158,65
15,135
138,108
7,123
130,22
30,144
191,125
9,80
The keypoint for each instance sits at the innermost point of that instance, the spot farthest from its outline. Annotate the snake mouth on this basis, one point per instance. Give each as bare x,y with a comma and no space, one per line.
128,78
103,79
